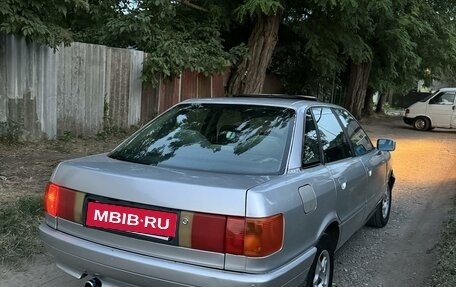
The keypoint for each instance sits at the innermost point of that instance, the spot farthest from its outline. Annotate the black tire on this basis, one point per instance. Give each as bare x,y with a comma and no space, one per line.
321,271
382,212
421,124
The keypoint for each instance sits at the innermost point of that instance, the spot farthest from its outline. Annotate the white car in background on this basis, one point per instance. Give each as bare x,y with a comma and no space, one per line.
436,111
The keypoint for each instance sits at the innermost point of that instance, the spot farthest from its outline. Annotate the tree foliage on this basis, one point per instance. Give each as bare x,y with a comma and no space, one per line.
323,45
176,35
37,20
400,40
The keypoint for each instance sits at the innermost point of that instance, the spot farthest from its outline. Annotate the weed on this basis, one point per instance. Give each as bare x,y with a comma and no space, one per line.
66,137
10,132
63,142
19,222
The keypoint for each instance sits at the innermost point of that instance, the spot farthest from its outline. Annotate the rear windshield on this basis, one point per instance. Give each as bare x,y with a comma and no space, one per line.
241,139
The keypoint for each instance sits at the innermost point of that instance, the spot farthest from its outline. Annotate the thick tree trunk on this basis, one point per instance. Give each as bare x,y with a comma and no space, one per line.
357,85
248,77
368,109
381,102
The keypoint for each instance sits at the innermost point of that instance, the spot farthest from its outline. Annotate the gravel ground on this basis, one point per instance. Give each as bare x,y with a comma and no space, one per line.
401,254
404,252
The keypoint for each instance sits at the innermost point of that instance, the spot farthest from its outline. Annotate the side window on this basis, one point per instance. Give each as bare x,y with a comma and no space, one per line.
334,143
357,136
311,146
443,98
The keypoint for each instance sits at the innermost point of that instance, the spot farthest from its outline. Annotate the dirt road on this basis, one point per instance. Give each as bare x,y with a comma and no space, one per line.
402,254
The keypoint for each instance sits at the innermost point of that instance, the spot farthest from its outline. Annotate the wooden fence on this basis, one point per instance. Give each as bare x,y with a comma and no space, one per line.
83,88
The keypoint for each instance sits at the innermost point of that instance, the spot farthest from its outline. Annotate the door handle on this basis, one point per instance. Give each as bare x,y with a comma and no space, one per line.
343,182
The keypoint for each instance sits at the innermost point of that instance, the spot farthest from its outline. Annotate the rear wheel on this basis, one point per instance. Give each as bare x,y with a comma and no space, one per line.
381,216
421,124
321,271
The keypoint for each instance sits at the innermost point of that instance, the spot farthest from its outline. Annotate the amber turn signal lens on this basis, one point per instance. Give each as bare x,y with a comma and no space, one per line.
263,236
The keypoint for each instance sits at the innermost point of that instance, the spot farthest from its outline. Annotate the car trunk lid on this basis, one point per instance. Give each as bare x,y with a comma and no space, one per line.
187,196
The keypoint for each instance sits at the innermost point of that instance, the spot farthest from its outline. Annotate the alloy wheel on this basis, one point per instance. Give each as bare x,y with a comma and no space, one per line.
322,270
386,203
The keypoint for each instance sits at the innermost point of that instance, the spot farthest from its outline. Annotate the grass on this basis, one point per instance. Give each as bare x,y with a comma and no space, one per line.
19,222
445,273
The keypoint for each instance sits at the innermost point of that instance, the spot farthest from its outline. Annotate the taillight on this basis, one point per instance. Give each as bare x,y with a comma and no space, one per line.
234,236
51,199
63,202
263,236
253,237
407,111
208,232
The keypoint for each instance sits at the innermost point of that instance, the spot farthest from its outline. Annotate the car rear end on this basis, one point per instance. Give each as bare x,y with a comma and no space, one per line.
130,223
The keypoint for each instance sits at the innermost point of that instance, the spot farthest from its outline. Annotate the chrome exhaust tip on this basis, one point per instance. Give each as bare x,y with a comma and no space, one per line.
94,282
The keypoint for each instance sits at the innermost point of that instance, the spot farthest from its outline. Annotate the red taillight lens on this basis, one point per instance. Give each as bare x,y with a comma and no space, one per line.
254,237
234,237
63,202
208,232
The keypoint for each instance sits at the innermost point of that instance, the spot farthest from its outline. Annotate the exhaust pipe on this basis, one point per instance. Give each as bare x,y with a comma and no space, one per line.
94,282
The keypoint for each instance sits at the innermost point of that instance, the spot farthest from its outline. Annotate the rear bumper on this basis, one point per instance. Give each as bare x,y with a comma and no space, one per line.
408,121
117,268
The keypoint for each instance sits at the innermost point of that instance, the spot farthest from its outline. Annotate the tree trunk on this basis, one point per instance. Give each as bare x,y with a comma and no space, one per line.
368,109
381,102
248,77
357,85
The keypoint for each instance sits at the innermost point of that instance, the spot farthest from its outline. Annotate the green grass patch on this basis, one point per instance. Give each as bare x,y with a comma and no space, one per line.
19,222
445,273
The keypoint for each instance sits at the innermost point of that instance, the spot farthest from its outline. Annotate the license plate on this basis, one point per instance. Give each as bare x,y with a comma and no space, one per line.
131,219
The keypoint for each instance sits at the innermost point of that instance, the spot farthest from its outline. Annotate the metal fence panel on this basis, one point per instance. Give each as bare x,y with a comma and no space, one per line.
81,86
84,88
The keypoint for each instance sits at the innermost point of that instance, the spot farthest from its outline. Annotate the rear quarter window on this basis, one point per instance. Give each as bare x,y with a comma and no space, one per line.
359,140
332,137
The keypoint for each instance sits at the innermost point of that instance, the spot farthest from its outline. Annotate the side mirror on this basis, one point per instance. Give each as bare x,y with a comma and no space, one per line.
386,144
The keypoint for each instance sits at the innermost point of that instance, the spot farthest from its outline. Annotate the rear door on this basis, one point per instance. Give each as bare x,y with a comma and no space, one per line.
373,159
441,109
348,171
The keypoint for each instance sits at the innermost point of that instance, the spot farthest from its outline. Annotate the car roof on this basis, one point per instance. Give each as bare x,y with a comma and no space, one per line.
279,100
447,89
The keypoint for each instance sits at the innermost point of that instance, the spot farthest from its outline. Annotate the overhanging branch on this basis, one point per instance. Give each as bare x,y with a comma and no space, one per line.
194,6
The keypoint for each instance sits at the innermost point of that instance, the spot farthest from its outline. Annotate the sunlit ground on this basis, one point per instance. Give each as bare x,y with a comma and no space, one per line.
427,161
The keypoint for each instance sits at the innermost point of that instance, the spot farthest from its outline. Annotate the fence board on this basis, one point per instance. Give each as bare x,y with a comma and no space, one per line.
134,104
117,98
189,87
204,86
217,86
149,103
24,82
169,93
